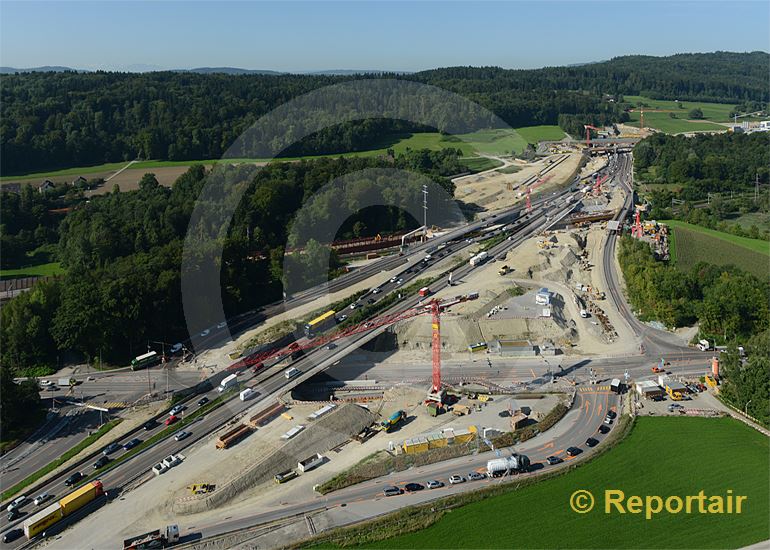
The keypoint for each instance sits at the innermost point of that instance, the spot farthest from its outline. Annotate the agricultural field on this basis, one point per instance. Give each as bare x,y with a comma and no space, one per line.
534,134
760,219
691,244
661,456
715,112
659,115
664,123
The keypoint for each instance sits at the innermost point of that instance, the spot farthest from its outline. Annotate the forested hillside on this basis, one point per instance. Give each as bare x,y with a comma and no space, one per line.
51,120
123,252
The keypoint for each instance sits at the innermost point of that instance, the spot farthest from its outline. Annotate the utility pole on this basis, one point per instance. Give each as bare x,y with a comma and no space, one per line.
425,212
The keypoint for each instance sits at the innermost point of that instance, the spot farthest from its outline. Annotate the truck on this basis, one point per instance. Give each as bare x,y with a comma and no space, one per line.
478,259
283,477
160,538
393,420
513,464
228,383
66,382
247,394
703,345
310,462
615,385
424,291
503,270
68,505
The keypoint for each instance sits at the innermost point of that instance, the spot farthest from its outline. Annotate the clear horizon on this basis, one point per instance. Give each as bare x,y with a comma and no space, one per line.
397,36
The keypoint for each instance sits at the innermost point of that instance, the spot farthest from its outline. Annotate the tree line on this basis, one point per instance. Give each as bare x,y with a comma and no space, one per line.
51,120
729,304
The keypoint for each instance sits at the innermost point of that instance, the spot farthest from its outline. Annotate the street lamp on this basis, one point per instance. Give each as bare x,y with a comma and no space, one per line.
746,408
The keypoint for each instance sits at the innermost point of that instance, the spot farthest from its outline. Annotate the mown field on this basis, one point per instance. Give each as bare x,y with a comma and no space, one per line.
660,118
716,112
693,244
664,123
663,456
40,270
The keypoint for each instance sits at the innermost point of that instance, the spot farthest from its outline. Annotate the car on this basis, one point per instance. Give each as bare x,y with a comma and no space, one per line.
391,491
176,348
111,448
376,290
371,301
612,414
101,462
553,460
202,401
291,373
150,424
171,419
456,479
12,535
74,478
607,420
354,305
205,333
413,487
604,429
658,398
13,514
40,499
182,435
475,476
131,444
341,318
399,282
90,379
591,442
221,325
176,410
573,451
46,383
330,346
434,484
17,503
393,279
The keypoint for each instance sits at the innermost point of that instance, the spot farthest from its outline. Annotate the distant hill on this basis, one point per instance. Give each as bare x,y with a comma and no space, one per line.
226,70
45,69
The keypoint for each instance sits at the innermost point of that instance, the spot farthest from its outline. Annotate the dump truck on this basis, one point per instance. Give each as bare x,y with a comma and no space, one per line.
393,420
230,438
461,410
283,477
503,270
508,465
160,538
71,503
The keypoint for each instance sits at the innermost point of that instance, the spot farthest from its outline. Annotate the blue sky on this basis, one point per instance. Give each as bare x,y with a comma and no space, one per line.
306,36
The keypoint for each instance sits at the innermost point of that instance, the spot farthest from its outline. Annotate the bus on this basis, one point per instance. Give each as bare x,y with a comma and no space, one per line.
320,323
143,361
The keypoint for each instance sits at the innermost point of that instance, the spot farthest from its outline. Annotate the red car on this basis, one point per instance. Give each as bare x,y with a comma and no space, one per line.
171,419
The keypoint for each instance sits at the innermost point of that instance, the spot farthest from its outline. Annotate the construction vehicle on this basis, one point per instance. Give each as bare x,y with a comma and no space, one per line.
703,345
283,477
504,270
160,538
394,420
710,381
201,488
461,410
658,369
674,395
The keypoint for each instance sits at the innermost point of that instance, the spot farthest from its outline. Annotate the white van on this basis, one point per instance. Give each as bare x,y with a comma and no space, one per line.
247,394
17,503
291,373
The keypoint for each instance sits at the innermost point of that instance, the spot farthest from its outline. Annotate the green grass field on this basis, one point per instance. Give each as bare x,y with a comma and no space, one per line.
664,123
661,457
41,270
693,244
716,112
760,219
490,142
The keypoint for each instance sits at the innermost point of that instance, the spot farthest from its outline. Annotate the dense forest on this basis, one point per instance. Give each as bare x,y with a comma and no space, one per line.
729,304
746,385
50,120
705,163
123,250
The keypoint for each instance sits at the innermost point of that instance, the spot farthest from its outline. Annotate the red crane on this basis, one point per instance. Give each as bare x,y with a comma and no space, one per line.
636,229
529,200
588,129
598,184
257,360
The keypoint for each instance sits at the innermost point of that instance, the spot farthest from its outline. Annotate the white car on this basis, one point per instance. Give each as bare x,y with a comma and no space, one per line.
341,318
221,325
455,479
205,333
46,383
434,484
376,290
393,279
176,348
41,498
291,373
17,503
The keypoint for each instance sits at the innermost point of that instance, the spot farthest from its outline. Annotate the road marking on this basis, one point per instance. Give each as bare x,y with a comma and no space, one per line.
547,446
533,373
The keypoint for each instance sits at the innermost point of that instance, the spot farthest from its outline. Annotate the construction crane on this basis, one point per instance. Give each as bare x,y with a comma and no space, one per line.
529,200
636,229
434,307
598,184
588,129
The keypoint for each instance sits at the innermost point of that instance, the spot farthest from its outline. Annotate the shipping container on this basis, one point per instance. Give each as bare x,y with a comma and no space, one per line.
41,521
78,498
